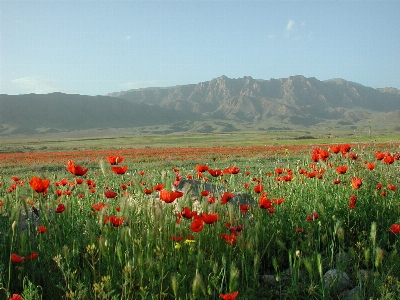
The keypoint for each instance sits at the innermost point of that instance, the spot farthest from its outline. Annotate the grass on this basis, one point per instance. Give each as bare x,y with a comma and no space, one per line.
154,252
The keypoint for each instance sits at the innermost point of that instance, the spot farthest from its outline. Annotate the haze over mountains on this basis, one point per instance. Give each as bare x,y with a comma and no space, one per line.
219,105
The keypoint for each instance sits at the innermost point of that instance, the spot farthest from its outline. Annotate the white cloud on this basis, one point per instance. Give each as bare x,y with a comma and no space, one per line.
138,84
35,84
290,26
127,38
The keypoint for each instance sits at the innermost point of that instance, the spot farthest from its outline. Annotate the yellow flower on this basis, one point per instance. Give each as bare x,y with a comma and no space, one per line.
189,241
177,246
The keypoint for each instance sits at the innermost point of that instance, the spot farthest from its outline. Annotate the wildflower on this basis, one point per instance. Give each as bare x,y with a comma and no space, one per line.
395,228
379,186
319,154
16,297
345,148
231,170
205,193
353,200
60,208
312,217
211,199
229,238
278,201
264,202
114,220
259,188
141,173
32,256
335,148
226,197
201,169
231,296
41,229
158,187
99,206
298,229
244,208
177,238
197,224
356,182
76,169
188,213
147,191
215,173
336,181
39,185
391,187
389,159
15,258
110,194
114,159
279,171
370,166
342,169
119,170
169,197
209,218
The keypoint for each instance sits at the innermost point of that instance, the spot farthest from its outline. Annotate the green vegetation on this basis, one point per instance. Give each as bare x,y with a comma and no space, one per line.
300,226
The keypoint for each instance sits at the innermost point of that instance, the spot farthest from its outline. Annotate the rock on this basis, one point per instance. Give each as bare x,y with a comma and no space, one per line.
337,280
354,294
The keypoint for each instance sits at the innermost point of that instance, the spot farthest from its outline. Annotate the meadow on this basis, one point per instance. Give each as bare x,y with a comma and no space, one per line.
248,221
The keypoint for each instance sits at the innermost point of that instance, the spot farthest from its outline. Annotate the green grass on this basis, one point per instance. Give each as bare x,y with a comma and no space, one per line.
80,257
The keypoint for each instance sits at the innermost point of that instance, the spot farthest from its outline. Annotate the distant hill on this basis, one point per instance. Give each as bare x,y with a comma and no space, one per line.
220,105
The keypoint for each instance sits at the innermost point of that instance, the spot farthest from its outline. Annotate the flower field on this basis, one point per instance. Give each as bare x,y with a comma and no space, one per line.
259,222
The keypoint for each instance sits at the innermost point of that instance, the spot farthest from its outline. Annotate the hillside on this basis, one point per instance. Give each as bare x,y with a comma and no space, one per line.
220,105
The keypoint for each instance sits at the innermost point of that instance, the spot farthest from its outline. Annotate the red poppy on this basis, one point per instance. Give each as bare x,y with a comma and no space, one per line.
201,169
205,193
236,229
79,180
391,187
209,218
197,224
353,200
264,202
211,199
147,191
15,258
39,185
370,166
142,173
76,169
231,296
395,228
60,208
15,179
188,213
114,220
226,197
33,255
345,148
176,238
356,182
169,197
389,159
278,201
99,206
119,170
215,172
244,208
258,188
110,194
41,229
231,170
312,217
336,181
379,186
342,169
319,154
16,297
335,148
158,187
298,229
114,159
229,238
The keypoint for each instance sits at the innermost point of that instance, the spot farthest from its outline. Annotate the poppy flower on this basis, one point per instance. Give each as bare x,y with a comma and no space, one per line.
188,213
41,229
389,159
370,166
169,197
244,208
147,191
119,170
319,154
353,200
356,182
226,197
110,194
342,169
336,181
231,296
335,148
231,170
395,228
312,217
258,188
229,238
39,185
264,202
158,187
379,186
345,148
209,218
99,206
15,179
114,159
60,208
215,173
298,229
279,171
201,168
16,297
15,258
76,169
205,193
236,229
391,187
33,255
211,199
197,224
114,220
177,238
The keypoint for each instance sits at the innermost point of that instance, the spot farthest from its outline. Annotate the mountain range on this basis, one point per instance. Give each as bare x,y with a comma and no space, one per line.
220,105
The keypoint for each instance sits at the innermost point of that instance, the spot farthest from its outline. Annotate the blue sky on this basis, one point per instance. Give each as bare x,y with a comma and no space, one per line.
99,47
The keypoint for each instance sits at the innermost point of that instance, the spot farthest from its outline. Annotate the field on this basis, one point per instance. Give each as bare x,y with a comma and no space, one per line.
200,217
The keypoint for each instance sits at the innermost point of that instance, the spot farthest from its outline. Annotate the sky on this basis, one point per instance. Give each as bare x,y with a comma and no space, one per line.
99,47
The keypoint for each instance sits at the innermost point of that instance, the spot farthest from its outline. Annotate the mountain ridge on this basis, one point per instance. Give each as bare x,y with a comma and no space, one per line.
220,105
